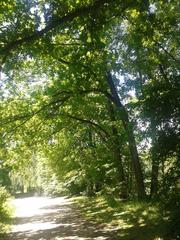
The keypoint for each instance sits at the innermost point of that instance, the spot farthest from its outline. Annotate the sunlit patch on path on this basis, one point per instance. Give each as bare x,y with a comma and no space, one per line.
43,218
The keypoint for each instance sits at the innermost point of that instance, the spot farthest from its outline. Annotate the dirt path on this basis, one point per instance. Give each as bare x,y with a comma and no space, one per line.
42,218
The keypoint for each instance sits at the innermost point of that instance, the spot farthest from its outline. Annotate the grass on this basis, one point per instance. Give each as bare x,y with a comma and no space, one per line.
129,220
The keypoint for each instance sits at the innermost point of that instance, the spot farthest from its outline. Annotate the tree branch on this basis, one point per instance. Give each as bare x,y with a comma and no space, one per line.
87,122
69,17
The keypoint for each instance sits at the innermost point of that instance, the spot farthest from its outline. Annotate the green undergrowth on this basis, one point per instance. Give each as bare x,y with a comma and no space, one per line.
131,220
6,211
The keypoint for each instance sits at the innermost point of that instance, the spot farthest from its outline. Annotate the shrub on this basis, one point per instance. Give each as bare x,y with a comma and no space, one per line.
5,211
172,207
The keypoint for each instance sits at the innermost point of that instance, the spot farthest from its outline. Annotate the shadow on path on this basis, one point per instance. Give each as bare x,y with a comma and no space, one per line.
52,219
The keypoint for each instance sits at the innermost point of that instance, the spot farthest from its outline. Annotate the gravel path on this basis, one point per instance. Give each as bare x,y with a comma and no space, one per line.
43,218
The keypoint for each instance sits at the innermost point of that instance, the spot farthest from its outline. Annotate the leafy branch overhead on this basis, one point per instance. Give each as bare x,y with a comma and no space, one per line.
87,11
92,88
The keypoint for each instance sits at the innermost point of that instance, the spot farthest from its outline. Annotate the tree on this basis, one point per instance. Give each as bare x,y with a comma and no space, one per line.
98,67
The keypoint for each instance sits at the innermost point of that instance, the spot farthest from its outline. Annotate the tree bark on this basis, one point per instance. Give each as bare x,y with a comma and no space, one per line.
155,162
131,139
118,155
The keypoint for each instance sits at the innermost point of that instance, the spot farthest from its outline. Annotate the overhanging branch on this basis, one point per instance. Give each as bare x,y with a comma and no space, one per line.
87,122
69,17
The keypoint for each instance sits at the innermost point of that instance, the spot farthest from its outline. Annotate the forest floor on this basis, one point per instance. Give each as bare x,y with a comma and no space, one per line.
43,218
133,220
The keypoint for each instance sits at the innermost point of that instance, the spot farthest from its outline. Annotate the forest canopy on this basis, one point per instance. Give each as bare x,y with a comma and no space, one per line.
90,96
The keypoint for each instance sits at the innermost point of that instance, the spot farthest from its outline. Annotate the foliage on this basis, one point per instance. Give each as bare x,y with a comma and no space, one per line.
4,177
130,220
171,207
91,87
5,211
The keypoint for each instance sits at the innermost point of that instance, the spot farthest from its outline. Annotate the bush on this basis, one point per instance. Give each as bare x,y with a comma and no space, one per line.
5,211
172,207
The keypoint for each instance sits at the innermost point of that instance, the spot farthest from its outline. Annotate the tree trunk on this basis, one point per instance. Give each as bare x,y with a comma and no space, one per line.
117,154
131,139
154,177
136,163
155,162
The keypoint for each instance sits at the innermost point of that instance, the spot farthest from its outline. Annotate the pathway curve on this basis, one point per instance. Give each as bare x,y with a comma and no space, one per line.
43,218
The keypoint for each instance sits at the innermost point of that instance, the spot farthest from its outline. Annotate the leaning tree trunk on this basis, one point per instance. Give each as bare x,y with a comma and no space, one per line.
117,154
154,156
131,139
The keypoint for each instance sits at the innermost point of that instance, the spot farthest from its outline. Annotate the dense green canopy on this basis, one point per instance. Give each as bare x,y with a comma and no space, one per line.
90,88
